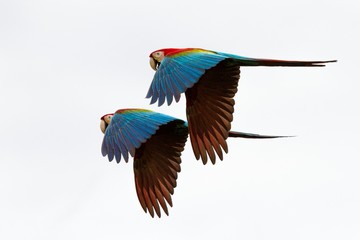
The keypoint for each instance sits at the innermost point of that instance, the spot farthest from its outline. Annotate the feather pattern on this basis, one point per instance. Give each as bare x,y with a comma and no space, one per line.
209,80
157,141
209,110
128,129
179,72
182,68
156,167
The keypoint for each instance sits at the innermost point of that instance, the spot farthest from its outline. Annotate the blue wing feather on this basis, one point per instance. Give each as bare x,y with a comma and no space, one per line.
110,152
128,137
128,129
137,133
122,149
191,65
161,96
144,130
237,57
117,152
169,88
180,81
175,90
154,98
104,148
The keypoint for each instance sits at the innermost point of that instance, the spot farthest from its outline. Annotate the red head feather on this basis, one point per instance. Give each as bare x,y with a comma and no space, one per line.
172,51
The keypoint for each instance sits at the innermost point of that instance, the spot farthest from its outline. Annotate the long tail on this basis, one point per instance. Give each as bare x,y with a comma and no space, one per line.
279,63
252,135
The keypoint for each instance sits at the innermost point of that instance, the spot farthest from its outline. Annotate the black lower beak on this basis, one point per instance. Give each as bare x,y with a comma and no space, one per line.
157,64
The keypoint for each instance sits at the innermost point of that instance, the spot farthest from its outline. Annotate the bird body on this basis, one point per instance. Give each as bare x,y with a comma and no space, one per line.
156,142
129,129
180,68
209,80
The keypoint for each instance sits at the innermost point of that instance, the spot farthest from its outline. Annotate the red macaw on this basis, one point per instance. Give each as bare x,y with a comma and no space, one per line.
156,142
209,80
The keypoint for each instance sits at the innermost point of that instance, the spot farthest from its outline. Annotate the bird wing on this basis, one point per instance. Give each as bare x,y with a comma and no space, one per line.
209,109
157,164
128,129
179,72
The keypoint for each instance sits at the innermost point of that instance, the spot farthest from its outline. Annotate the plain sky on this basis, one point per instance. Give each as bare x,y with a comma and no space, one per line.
65,63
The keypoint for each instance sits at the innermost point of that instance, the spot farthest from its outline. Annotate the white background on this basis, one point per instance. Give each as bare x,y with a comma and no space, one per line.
65,63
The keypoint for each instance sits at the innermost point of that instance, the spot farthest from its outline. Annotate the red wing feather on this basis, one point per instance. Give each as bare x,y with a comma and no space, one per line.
156,166
209,109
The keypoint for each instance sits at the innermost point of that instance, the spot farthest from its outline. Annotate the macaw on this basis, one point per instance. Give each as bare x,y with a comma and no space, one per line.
156,142
209,80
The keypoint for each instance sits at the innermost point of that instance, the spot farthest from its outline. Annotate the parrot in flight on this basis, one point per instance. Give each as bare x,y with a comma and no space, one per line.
209,80
156,142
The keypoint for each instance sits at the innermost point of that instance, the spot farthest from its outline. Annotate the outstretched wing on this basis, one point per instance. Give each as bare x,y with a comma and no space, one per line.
209,109
128,129
157,164
180,71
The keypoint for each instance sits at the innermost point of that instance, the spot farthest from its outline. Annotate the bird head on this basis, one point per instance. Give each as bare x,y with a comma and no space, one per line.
105,121
156,58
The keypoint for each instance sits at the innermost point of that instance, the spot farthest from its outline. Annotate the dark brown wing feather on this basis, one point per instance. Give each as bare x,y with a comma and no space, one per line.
156,166
209,109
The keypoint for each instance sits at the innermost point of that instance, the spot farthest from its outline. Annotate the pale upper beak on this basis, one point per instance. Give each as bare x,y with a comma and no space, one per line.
103,125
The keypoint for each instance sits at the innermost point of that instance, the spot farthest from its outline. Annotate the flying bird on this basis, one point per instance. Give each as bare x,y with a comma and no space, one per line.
209,80
156,142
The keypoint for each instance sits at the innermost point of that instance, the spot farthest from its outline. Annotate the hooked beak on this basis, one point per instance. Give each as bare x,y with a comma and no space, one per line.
105,122
103,125
154,64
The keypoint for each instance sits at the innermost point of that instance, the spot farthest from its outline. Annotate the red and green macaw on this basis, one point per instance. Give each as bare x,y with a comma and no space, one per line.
156,142
209,80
